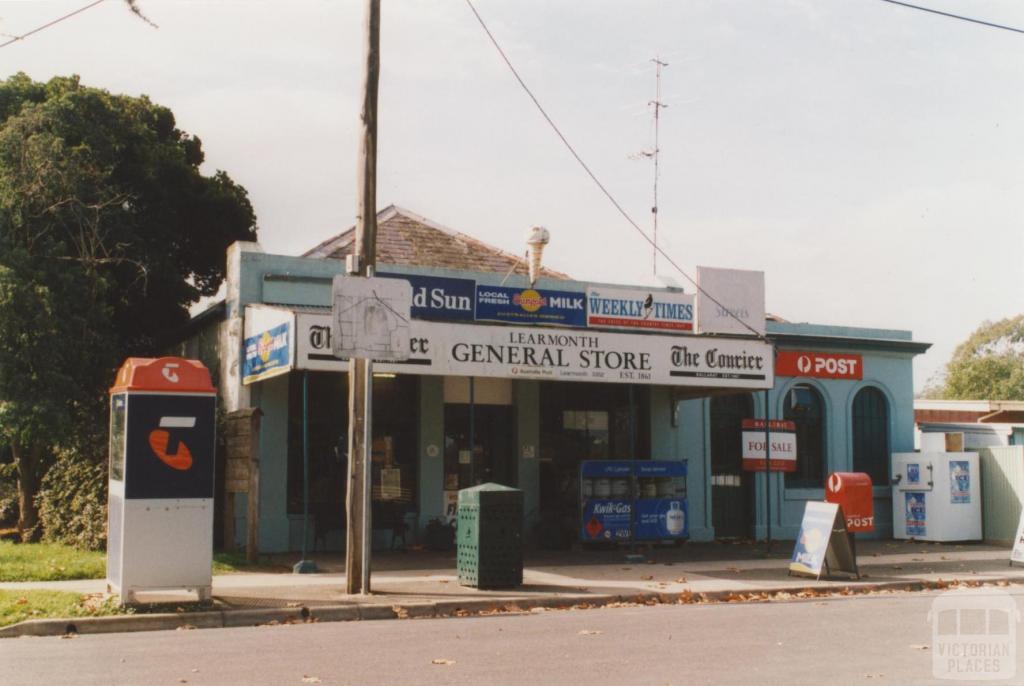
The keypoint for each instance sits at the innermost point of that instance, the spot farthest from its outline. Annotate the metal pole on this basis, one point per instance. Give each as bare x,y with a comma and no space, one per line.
367,475
767,471
304,566
472,431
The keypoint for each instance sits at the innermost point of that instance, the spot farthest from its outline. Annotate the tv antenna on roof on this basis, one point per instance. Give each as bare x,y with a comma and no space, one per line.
653,154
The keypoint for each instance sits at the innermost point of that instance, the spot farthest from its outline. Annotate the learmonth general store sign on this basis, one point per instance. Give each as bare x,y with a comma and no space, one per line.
556,354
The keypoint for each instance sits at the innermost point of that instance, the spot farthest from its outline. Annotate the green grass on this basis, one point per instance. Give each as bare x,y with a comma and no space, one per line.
17,606
49,562
56,562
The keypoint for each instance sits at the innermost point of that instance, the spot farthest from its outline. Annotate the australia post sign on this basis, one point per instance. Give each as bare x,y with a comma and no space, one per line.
555,354
820,365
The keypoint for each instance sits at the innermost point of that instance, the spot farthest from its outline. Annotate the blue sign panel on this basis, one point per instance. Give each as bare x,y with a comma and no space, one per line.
812,542
620,468
529,306
607,520
267,354
959,481
913,473
661,518
917,518
440,298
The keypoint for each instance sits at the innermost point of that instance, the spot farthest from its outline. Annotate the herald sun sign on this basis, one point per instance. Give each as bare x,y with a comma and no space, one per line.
820,365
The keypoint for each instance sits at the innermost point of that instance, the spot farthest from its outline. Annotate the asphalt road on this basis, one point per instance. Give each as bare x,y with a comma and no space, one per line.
880,639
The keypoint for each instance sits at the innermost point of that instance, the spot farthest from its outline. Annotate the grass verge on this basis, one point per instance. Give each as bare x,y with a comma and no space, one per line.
49,562
17,606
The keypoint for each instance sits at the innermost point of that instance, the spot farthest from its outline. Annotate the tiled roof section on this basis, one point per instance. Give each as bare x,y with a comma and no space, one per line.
406,238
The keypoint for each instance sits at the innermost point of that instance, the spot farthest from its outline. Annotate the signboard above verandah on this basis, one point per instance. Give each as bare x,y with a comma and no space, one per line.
556,355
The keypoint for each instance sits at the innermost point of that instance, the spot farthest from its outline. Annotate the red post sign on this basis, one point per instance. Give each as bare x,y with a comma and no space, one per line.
852,492
819,365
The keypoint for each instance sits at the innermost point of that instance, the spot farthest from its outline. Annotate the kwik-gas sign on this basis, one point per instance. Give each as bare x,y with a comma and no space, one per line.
820,365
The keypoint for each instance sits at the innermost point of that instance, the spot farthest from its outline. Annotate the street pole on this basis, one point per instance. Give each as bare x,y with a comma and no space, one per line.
305,566
767,472
358,528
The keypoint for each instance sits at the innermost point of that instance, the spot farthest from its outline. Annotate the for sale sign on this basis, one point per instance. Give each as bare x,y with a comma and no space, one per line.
820,365
781,444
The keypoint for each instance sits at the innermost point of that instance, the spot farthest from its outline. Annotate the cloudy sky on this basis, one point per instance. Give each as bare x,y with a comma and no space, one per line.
867,157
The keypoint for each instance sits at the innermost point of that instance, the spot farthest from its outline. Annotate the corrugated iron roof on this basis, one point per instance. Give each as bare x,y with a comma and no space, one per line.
407,238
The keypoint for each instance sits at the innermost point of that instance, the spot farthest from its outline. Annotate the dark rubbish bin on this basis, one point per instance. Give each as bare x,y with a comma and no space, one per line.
490,536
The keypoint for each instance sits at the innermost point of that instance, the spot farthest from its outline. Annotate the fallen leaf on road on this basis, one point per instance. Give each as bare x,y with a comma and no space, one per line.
442,581
733,569
897,567
442,661
294,605
69,635
647,578
306,679
186,627
400,611
589,632
681,580
919,646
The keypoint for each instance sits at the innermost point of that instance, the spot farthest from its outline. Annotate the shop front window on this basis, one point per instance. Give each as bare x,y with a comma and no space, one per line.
394,448
871,435
586,421
805,407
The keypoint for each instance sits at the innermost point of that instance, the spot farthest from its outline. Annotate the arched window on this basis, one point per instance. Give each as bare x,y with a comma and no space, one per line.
871,434
805,407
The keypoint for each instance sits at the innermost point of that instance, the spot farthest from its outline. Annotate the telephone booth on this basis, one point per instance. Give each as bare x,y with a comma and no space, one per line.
160,504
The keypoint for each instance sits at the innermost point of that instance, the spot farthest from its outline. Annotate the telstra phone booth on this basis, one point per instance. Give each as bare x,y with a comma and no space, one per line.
160,505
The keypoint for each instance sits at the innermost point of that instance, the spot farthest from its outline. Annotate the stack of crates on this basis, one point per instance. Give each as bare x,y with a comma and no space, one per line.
490,536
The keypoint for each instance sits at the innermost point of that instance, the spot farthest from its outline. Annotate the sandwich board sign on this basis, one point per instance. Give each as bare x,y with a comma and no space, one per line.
1017,554
370,318
823,542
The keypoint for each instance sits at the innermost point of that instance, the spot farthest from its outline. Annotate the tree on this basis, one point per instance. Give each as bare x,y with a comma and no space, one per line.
108,232
989,365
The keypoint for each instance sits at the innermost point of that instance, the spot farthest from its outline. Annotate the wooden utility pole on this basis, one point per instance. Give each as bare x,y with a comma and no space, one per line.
360,374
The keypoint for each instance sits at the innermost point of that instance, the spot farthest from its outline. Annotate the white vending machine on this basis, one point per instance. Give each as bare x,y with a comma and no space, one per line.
936,496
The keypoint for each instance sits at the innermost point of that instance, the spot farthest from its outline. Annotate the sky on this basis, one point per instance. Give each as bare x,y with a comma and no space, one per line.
868,158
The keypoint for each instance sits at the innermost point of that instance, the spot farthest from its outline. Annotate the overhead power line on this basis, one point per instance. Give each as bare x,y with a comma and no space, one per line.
954,16
597,181
131,5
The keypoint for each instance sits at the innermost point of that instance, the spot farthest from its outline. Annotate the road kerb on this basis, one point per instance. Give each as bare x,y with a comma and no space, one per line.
455,607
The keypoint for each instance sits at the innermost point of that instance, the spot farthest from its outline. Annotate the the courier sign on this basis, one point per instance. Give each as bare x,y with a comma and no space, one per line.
557,354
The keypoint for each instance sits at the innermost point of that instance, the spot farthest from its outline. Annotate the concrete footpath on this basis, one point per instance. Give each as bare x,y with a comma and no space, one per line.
424,584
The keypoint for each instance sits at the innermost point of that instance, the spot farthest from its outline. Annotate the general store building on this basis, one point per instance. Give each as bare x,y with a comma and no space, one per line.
541,389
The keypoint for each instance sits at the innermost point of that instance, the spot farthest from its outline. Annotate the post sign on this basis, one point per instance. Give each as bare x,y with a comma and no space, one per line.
782,437
620,308
852,492
370,317
531,306
730,301
822,542
509,352
268,349
820,365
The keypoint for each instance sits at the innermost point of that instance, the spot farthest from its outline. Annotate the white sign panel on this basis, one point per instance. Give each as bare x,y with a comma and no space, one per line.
556,354
622,308
740,301
1017,555
783,445
371,317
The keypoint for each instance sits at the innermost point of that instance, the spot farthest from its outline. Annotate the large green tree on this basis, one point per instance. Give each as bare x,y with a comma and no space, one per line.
989,365
108,232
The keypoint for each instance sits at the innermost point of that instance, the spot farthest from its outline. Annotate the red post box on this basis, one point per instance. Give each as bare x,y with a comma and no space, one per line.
852,492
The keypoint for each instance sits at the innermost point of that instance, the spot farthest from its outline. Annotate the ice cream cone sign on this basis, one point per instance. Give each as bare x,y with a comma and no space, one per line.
536,239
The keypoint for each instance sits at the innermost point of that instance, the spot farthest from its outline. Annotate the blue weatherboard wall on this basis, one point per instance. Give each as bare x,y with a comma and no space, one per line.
294,281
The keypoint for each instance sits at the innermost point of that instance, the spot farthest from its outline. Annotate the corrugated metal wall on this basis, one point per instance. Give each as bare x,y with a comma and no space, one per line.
1002,490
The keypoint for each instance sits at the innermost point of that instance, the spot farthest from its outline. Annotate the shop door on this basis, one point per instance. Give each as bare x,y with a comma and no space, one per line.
491,458
732,490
